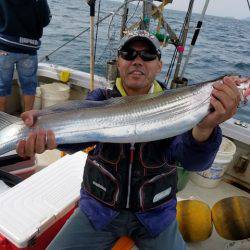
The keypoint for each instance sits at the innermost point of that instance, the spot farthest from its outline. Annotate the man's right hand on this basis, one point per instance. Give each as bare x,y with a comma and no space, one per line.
37,141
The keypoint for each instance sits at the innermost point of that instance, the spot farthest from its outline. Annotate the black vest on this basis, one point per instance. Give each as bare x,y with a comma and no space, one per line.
136,177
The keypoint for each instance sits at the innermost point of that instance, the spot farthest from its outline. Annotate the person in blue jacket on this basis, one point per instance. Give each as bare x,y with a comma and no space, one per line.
21,27
130,189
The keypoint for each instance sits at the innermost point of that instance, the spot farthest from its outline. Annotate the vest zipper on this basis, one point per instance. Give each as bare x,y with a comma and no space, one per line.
132,151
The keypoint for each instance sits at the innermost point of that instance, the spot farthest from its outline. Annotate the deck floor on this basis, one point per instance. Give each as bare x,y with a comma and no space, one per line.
211,196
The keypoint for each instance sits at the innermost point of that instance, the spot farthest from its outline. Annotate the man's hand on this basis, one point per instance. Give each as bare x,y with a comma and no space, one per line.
37,141
224,100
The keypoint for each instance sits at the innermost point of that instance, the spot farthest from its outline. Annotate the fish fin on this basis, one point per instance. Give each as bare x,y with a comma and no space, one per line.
70,106
6,120
129,99
85,104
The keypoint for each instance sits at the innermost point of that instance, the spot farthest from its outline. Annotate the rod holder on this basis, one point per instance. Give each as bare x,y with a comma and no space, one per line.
111,70
241,164
179,83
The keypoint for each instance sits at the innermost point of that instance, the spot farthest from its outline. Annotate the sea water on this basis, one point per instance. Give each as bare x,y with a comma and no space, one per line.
221,48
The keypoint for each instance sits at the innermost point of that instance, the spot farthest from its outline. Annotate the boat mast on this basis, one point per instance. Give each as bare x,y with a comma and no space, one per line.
91,3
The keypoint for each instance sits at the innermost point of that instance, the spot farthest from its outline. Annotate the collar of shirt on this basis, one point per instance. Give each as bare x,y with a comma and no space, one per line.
155,88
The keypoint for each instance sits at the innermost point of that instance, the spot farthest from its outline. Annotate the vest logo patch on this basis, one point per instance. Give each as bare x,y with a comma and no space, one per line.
162,194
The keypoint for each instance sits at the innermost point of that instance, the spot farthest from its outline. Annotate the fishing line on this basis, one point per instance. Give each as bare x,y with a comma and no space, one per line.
116,12
87,29
133,12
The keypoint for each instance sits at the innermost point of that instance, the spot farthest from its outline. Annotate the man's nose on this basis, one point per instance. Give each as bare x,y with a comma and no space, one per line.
137,61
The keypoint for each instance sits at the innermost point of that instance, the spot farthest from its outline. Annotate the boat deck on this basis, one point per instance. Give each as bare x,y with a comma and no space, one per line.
211,196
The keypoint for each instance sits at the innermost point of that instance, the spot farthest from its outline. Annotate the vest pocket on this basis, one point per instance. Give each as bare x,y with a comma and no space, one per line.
153,158
158,190
110,153
100,184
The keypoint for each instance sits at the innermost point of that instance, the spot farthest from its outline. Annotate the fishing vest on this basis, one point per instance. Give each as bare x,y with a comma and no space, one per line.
137,177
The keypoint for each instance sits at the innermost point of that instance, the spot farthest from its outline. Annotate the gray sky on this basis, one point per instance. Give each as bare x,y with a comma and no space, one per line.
229,8
226,8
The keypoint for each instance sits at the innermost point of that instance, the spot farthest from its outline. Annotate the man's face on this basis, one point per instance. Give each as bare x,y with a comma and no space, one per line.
138,75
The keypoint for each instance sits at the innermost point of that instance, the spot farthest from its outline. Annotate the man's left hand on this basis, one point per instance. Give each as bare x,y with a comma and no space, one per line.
224,101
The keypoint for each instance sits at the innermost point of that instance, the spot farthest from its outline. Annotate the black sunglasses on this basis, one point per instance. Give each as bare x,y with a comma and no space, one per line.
146,55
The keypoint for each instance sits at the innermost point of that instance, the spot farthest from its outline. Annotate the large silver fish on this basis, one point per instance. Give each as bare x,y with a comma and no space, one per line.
120,120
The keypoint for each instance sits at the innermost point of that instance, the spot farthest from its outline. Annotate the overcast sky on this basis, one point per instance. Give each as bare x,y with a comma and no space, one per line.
229,8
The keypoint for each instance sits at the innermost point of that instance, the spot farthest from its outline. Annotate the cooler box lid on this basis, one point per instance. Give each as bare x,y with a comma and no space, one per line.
32,206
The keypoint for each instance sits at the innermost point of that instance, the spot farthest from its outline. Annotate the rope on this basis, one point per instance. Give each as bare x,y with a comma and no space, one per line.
133,12
87,29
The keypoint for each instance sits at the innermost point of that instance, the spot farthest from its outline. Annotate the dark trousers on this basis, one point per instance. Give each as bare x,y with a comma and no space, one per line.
78,233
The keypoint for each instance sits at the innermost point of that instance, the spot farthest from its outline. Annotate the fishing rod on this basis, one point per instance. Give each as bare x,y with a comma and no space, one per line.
195,36
248,4
183,43
91,3
179,49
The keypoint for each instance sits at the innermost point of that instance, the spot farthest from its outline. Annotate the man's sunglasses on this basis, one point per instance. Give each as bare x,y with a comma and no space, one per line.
145,55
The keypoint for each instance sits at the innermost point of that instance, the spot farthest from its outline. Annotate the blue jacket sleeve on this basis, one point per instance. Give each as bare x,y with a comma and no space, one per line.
193,155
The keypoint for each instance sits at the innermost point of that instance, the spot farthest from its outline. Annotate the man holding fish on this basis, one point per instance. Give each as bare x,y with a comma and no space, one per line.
130,188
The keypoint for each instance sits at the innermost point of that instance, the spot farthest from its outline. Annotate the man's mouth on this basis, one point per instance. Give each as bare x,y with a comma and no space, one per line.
136,72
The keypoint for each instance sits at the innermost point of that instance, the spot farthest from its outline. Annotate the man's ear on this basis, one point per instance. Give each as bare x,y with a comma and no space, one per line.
159,67
117,63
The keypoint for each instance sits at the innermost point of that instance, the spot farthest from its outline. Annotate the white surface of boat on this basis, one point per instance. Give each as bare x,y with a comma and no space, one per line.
78,78
239,133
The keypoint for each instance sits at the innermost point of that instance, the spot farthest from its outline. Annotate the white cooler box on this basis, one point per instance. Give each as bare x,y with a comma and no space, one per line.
32,212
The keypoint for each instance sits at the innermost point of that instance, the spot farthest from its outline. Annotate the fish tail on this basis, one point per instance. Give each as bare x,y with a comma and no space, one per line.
6,120
6,139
